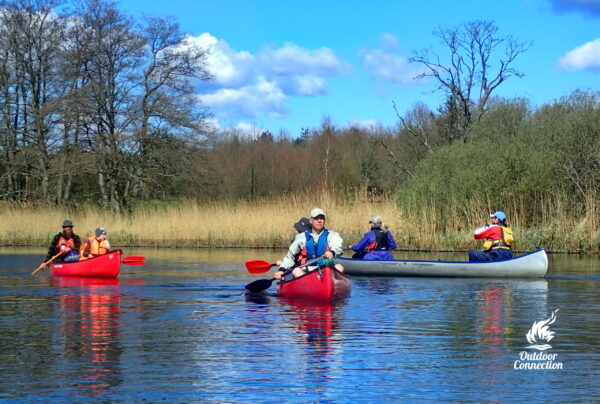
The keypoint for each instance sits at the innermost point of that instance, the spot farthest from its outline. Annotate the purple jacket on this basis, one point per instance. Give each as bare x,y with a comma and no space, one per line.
368,239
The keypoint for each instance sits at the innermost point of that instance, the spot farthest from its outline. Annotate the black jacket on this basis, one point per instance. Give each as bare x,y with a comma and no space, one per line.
53,250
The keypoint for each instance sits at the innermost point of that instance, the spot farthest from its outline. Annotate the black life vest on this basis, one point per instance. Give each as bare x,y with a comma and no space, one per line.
381,243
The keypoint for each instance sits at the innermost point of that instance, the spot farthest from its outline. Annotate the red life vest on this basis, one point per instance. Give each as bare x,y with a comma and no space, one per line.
68,243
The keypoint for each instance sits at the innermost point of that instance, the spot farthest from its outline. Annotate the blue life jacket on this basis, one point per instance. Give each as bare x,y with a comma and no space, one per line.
315,250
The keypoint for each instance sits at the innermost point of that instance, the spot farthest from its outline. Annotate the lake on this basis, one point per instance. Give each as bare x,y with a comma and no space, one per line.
180,329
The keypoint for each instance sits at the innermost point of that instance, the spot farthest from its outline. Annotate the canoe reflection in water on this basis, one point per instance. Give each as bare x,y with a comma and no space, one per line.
90,314
495,312
316,327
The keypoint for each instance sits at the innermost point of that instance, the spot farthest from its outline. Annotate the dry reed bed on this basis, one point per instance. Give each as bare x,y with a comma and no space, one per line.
268,223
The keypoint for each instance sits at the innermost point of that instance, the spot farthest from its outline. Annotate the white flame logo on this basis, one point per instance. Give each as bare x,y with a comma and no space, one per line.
541,331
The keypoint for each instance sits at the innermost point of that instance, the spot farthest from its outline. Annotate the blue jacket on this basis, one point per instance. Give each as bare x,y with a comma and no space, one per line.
370,238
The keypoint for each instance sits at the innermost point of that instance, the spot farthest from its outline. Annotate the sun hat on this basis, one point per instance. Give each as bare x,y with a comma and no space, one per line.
67,223
100,231
316,212
499,215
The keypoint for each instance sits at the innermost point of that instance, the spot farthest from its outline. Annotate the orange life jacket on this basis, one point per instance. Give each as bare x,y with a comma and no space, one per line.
95,247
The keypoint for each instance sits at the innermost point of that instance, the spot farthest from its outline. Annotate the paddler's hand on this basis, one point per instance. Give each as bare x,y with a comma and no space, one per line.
328,254
279,273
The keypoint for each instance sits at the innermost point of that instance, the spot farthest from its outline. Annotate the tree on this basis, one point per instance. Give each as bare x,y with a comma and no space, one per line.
31,36
167,98
479,61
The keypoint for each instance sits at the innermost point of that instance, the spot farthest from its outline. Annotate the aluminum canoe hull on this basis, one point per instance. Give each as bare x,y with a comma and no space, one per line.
531,265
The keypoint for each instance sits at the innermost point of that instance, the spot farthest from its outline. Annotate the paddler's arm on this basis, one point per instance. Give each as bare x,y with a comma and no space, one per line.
335,243
297,245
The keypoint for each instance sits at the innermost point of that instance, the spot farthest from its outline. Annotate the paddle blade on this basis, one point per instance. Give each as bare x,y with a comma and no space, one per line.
258,266
133,260
259,285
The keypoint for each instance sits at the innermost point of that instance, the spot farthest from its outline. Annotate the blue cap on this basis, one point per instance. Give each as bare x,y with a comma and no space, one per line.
499,215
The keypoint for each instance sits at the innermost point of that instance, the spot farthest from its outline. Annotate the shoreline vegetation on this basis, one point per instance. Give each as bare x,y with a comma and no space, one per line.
267,223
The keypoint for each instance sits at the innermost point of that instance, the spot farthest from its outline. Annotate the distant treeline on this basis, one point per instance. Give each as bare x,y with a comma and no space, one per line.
541,164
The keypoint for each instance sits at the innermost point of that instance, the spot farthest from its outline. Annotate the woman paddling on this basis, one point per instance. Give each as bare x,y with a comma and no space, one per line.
379,243
499,240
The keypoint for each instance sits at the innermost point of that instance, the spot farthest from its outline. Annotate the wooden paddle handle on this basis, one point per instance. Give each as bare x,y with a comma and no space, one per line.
46,263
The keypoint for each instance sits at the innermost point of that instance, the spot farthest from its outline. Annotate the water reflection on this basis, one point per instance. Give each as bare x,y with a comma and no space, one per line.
316,328
89,313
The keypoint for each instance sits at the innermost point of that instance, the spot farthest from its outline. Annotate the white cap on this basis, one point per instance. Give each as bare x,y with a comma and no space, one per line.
316,212
376,219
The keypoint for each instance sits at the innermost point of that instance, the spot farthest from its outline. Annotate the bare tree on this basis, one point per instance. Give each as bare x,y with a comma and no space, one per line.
31,38
167,94
111,66
479,61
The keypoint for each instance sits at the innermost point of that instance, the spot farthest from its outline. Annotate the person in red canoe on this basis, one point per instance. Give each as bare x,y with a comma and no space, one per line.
310,245
499,240
95,245
66,242
378,243
301,226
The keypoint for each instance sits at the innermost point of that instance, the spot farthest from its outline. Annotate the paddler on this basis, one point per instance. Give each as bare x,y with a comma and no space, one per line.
96,245
499,240
311,244
378,242
66,242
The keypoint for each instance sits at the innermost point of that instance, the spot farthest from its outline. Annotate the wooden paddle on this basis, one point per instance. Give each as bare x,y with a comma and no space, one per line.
133,260
264,284
46,263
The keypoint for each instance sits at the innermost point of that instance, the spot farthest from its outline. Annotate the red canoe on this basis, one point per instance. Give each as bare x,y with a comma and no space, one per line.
324,285
103,266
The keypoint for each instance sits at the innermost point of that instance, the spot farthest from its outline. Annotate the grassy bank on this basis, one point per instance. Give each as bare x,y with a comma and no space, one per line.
268,223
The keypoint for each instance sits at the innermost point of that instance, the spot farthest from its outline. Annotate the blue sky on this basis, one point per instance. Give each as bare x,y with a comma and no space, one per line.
287,65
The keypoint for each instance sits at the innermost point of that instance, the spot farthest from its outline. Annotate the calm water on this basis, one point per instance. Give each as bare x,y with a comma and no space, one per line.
179,329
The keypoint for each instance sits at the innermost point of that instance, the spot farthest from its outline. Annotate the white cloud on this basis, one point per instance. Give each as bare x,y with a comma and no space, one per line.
249,85
304,85
228,67
389,67
248,101
293,60
586,56
389,41
367,124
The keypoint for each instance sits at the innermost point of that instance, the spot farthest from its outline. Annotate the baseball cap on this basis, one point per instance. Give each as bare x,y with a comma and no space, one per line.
316,212
499,215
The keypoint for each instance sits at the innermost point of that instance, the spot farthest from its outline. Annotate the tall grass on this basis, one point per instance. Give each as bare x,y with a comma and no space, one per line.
268,223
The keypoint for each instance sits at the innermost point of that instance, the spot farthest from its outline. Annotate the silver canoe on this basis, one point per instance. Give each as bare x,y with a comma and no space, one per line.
530,265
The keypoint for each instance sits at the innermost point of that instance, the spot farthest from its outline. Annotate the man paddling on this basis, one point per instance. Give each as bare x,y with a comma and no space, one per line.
319,242
66,242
